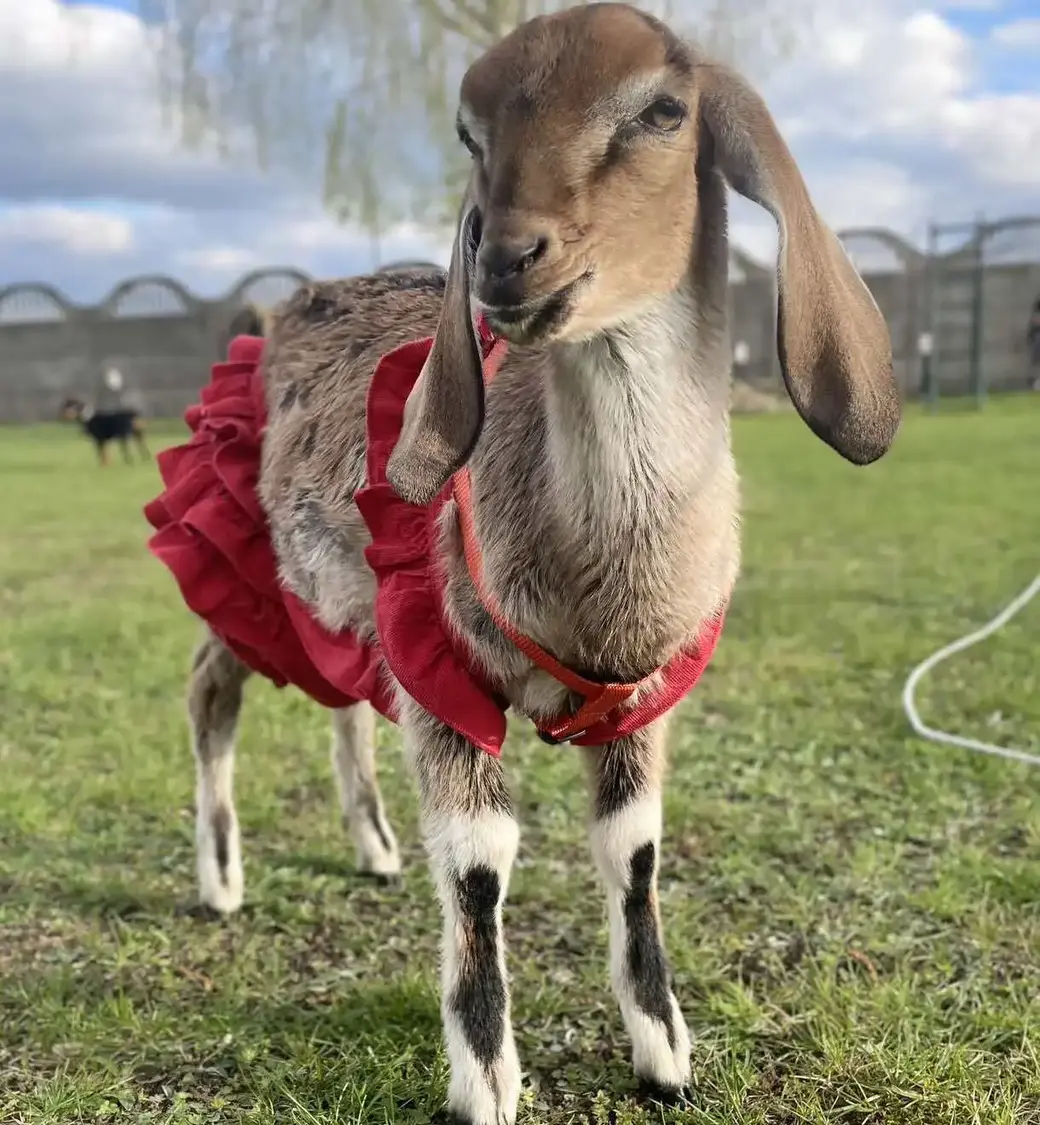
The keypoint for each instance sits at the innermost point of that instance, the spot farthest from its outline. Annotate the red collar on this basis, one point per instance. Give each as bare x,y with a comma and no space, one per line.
598,700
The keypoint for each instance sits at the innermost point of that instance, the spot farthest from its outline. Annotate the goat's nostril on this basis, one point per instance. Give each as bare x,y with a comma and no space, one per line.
507,258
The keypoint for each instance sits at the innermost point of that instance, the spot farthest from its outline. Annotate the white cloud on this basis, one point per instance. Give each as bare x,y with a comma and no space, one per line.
65,228
885,106
879,73
999,136
86,251
1020,35
230,261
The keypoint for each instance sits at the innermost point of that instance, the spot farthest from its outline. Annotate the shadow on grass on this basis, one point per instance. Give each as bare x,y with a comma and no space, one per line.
105,899
110,894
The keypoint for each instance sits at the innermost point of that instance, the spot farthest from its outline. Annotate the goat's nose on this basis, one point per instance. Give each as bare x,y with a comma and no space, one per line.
507,257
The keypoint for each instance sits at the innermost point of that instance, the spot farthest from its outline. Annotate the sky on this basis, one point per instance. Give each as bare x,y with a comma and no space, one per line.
898,112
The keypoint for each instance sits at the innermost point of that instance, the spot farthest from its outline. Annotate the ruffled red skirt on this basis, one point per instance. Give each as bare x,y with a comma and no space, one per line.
212,534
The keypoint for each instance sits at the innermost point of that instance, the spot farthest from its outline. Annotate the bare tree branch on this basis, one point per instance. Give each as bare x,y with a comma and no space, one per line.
357,97
448,21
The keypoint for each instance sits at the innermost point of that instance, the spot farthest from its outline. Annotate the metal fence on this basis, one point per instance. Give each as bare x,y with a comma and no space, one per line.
971,291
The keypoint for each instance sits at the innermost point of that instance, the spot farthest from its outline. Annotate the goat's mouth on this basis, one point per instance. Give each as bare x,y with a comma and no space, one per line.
537,319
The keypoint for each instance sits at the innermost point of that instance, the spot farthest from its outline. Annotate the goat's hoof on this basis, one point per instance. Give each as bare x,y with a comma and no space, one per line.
223,900
482,1105
384,868
391,880
448,1116
221,894
203,912
670,1096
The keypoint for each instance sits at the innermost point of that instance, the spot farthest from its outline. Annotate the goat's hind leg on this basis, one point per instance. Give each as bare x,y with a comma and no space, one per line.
626,842
214,703
354,766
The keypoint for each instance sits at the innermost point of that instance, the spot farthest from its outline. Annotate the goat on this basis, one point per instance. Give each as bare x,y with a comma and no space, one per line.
586,537
103,426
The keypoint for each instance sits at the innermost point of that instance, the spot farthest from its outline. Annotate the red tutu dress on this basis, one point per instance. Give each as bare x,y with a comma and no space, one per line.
212,533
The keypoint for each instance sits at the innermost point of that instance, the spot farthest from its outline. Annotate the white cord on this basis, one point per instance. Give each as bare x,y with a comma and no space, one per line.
925,666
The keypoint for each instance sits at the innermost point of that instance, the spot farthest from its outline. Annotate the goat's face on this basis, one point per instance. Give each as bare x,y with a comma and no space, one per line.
595,132
583,132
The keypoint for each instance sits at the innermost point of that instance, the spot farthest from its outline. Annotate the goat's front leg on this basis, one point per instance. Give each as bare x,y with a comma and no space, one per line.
626,840
471,837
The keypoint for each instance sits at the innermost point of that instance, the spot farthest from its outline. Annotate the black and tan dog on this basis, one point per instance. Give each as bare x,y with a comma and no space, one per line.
104,426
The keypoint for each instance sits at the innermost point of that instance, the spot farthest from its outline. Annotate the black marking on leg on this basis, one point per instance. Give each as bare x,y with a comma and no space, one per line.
370,809
479,998
621,778
648,968
220,822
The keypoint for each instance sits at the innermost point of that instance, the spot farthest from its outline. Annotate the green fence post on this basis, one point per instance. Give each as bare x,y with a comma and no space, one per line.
977,312
929,375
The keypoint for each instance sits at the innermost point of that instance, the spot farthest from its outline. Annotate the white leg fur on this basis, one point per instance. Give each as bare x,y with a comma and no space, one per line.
615,840
217,845
480,1092
353,764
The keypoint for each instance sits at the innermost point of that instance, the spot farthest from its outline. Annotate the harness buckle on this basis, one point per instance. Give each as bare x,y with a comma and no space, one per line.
553,741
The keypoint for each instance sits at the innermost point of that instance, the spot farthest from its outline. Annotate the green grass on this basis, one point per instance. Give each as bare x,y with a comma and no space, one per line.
853,916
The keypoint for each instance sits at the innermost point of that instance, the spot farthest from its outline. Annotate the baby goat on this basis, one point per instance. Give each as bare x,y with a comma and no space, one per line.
597,518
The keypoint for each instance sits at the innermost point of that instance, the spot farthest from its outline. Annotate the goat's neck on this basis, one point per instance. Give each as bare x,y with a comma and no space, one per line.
635,417
614,547
631,499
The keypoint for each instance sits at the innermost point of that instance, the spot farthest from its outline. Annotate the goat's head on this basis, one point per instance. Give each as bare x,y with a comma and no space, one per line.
591,132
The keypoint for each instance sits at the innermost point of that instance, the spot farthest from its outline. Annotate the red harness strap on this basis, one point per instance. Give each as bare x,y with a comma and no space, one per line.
599,700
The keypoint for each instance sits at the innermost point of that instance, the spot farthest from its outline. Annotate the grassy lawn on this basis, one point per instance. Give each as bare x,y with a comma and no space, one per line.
853,916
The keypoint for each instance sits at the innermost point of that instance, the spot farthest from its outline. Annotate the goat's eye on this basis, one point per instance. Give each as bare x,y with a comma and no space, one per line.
665,115
467,139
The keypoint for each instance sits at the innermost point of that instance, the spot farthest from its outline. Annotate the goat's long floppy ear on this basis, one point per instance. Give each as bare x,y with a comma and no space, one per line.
834,345
445,411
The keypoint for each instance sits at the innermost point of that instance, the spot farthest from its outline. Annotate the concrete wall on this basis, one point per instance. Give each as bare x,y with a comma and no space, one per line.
160,336
163,338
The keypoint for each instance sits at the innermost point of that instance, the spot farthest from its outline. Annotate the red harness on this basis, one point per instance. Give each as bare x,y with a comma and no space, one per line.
589,725
212,534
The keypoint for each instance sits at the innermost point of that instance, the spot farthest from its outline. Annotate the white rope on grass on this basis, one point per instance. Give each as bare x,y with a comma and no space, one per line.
987,630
